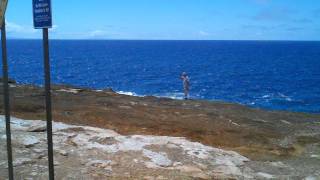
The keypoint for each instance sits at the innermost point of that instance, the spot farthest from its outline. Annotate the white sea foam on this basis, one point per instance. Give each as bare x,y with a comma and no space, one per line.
174,95
266,96
128,93
278,96
287,98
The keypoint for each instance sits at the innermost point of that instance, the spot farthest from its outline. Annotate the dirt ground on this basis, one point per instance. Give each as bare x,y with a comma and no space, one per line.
254,133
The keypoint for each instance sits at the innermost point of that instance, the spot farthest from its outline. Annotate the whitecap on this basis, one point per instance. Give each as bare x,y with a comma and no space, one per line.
287,98
266,96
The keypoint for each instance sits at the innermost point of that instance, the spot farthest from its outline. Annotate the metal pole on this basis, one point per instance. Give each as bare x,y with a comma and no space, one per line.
48,101
6,97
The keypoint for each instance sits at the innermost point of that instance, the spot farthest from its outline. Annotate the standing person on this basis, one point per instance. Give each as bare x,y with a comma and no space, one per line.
186,84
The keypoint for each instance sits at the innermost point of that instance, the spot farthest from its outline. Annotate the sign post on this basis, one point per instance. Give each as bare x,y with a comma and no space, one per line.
3,7
42,19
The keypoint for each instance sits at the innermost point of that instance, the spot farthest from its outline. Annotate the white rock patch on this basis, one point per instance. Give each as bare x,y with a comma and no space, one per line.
157,158
195,159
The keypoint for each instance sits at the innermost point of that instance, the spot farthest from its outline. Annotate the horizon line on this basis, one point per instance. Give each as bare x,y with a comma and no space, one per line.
88,39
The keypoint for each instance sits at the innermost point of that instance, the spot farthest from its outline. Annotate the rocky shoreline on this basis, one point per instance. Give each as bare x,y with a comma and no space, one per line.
267,138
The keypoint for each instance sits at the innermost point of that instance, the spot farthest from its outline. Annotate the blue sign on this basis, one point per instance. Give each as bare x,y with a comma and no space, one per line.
42,17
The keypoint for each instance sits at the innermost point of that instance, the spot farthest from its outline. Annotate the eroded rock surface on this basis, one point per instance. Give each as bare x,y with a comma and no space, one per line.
82,151
95,153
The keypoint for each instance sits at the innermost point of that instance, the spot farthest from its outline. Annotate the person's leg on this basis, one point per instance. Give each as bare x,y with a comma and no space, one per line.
186,93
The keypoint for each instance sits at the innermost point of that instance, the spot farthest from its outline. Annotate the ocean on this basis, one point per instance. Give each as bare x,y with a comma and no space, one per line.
275,75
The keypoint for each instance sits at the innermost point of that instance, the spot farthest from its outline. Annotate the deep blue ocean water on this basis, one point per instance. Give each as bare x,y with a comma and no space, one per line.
278,75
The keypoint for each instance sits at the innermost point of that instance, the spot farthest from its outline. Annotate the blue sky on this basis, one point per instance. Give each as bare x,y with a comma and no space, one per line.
172,19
